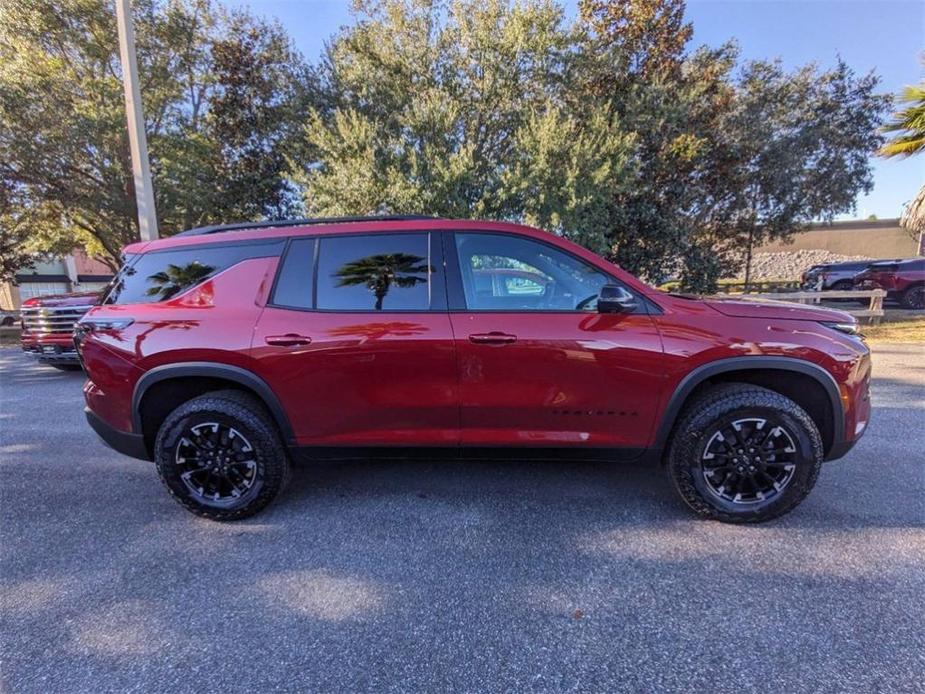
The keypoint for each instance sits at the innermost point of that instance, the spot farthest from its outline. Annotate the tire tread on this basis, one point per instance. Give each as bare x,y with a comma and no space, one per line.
719,401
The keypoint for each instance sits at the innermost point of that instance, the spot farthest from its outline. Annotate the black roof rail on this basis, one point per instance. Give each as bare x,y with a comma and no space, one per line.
240,226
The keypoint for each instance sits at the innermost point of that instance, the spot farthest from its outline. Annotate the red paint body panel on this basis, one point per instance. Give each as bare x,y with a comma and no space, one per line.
365,378
551,379
568,379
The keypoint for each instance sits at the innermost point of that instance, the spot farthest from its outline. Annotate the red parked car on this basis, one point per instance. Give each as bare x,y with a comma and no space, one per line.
222,354
904,280
48,327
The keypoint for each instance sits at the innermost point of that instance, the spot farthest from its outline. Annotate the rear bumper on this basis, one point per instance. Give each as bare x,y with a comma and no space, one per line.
122,441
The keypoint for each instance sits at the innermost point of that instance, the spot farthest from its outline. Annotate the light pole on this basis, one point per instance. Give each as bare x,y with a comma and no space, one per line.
138,143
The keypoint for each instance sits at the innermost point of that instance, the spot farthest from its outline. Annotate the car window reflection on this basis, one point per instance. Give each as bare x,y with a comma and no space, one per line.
378,273
175,278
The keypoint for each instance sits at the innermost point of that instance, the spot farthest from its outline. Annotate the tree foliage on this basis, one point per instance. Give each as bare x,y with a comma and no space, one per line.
458,110
728,154
906,131
218,92
907,127
610,129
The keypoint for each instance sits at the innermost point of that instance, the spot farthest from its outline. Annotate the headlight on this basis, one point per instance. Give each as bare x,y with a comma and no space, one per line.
846,328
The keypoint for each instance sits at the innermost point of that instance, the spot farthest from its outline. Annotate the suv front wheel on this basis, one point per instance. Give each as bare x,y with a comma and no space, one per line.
220,456
744,454
914,297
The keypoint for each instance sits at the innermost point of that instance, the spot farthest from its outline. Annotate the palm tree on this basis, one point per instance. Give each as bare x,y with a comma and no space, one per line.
175,279
909,126
380,272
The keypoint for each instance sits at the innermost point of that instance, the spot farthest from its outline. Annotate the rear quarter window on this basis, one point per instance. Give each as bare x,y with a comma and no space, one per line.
162,275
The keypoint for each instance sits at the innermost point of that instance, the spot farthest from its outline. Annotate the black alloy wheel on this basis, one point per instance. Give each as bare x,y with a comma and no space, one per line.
914,297
216,463
220,455
741,453
748,461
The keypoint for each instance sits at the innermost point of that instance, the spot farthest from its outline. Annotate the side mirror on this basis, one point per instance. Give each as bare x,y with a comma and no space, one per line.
615,299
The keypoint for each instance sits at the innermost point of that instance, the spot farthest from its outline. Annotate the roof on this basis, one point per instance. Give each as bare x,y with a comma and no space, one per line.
306,221
856,224
251,231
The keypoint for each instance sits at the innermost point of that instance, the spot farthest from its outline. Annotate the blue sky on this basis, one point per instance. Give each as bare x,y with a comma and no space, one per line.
886,36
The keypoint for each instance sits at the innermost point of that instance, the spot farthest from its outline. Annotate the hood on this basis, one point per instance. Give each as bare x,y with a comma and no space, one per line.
768,309
73,299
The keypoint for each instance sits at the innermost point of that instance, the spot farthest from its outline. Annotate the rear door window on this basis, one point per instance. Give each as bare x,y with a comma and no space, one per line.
162,275
377,272
296,276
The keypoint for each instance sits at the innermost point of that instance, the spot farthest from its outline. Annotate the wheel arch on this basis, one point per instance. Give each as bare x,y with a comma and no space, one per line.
806,383
177,383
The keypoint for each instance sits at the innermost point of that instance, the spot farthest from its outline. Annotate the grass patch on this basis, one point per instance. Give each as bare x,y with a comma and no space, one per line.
9,336
904,330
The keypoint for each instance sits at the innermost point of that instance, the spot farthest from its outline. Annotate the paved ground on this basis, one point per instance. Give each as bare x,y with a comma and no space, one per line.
452,577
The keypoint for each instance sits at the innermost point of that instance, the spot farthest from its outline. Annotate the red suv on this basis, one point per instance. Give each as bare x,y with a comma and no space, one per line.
225,353
904,280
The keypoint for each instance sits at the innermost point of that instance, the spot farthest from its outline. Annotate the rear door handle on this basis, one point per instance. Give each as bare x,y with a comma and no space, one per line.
492,338
287,340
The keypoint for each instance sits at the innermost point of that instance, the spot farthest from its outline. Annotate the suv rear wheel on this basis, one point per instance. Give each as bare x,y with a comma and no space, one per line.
220,456
744,454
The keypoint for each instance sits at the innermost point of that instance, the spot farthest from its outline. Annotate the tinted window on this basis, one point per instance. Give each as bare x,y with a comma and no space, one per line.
294,284
517,274
163,275
380,272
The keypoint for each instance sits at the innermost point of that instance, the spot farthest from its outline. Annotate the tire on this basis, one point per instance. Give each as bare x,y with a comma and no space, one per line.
698,444
67,367
222,442
844,286
914,297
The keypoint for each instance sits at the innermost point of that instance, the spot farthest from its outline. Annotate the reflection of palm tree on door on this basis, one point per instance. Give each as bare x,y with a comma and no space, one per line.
380,272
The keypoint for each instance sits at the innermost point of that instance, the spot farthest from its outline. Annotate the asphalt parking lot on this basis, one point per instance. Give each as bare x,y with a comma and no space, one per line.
421,576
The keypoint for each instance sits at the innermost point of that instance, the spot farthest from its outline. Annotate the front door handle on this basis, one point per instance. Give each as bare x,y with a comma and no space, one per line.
287,340
492,338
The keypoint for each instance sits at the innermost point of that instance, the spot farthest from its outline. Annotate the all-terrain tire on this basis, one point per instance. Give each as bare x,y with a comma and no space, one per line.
248,416
715,409
914,297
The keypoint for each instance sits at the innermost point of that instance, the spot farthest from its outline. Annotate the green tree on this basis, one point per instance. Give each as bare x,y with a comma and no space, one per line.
216,88
802,142
907,137
726,155
907,127
16,228
460,110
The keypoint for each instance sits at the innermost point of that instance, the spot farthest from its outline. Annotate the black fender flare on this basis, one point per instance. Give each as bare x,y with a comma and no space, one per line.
207,369
756,363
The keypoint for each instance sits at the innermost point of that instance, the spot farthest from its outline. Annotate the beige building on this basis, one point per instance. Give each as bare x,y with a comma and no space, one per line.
73,273
883,238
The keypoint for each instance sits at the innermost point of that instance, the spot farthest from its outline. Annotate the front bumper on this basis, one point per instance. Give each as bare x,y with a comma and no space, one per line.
122,441
50,353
